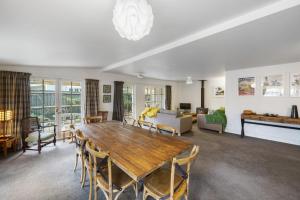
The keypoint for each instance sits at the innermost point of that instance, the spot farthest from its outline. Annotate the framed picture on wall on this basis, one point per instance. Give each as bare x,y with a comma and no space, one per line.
219,91
246,86
106,98
295,84
273,85
107,89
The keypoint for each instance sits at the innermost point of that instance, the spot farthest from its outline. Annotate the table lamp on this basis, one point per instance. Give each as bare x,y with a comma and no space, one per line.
5,117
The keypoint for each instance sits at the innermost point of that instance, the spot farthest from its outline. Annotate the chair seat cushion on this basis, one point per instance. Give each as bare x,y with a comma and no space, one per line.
33,137
119,178
159,182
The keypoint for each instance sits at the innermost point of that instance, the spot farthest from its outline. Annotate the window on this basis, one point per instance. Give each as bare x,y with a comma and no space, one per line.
129,100
154,97
70,103
43,100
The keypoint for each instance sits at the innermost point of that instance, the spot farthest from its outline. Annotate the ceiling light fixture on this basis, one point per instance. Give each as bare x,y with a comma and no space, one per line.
189,80
133,19
140,75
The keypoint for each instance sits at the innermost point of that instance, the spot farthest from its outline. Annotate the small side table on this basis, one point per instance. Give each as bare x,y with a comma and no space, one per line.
8,142
70,136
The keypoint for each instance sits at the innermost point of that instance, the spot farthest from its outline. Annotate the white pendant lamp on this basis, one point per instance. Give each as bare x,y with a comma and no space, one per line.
133,19
189,80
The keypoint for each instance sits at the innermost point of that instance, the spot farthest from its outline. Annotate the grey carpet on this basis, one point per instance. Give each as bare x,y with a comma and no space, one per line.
228,168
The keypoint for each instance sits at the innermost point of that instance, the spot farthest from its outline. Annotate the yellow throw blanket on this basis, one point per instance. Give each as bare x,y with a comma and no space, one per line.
149,112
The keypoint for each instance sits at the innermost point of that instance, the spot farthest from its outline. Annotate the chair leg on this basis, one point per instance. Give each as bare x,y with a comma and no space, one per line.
82,169
83,179
95,188
76,162
54,140
39,147
136,188
186,197
91,184
118,195
144,194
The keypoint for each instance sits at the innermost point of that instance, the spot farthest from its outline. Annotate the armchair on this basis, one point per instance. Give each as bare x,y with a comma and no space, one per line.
33,133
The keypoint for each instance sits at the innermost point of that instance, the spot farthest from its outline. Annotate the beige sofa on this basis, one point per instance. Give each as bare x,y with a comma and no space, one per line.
182,124
202,124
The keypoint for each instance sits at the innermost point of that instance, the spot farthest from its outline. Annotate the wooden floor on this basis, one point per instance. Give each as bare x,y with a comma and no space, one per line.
228,168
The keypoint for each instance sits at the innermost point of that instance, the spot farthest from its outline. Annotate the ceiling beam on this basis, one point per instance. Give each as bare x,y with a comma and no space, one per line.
226,25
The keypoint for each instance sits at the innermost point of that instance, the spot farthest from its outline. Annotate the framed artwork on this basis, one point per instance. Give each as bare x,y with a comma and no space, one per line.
295,84
107,89
219,91
247,86
273,85
106,98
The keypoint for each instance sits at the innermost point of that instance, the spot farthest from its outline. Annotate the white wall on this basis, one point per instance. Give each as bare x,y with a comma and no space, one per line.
79,74
192,94
280,105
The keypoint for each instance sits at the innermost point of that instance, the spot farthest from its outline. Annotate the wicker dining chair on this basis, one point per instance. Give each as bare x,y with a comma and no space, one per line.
107,176
171,184
34,133
164,127
92,119
80,141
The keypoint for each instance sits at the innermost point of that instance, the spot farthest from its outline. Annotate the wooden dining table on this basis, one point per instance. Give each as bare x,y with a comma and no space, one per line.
137,151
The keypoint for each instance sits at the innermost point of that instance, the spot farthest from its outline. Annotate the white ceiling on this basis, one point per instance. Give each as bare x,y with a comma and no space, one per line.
80,33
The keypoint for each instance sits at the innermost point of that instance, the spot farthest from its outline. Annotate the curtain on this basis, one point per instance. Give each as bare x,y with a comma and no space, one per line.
168,102
14,98
118,110
92,97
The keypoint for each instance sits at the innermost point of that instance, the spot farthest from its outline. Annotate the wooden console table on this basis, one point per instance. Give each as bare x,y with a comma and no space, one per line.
262,120
7,142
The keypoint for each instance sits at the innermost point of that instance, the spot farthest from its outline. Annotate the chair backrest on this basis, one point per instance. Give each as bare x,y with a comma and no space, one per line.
30,125
165,127
80,140
72,126
104,115
178,163
97,156
92,119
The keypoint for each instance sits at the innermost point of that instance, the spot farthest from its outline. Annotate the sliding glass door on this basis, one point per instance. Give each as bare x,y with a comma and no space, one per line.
56,102
43,100
70,103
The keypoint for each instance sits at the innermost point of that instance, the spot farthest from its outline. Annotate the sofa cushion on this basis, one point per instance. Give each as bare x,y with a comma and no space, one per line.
169,112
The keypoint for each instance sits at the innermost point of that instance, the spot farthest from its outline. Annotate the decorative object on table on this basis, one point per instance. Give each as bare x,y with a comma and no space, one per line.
294,113
106,98
6,117
272,86
219,91
107,89
248,112
295,84
270,115
246,86
133,19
